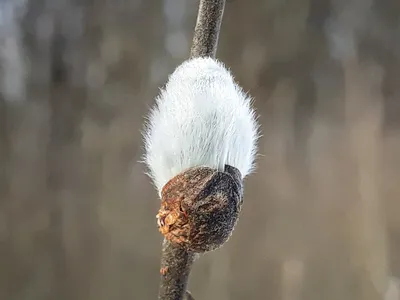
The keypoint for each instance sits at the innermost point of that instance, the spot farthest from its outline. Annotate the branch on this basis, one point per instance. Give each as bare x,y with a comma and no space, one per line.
176,261
199,207
176,264
206,33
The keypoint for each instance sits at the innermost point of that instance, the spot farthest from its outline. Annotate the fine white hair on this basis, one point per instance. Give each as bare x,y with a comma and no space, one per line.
201,118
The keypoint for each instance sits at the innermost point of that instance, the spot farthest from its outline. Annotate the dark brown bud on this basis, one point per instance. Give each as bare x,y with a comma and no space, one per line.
200,207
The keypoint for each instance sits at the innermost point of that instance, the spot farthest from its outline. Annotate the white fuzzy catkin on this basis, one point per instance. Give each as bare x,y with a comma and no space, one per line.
201,118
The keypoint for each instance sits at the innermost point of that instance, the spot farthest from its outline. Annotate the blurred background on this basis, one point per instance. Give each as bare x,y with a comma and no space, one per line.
321,214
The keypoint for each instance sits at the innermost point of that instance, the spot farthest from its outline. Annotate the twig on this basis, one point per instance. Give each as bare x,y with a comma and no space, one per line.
176,264
176,261
206,33
198,154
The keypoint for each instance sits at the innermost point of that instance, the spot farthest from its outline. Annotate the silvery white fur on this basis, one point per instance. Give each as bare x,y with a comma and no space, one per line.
201,118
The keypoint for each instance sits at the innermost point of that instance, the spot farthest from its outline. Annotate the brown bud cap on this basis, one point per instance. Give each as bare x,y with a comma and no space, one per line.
200,207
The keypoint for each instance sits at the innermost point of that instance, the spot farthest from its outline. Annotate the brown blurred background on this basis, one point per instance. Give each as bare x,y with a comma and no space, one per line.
321,214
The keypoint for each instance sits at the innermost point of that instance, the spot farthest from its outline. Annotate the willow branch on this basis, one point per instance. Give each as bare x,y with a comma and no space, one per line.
176,264
208,25
177,261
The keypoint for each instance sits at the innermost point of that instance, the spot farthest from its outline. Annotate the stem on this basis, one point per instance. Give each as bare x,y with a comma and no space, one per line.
176,264
207,28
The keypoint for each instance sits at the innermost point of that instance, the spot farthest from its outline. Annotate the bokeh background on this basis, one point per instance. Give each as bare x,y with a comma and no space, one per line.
321,214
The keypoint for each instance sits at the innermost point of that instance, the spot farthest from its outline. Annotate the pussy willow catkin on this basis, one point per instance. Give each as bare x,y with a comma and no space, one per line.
200,143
